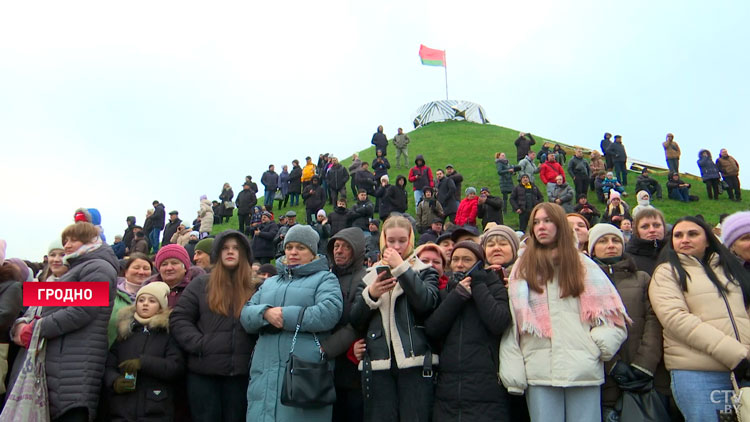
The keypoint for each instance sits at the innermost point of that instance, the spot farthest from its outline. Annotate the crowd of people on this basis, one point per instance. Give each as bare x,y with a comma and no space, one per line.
435,311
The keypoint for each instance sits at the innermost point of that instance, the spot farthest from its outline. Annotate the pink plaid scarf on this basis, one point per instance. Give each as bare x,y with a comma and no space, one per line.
600,304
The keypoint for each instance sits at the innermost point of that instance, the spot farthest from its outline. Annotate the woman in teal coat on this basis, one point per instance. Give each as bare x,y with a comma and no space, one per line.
303,281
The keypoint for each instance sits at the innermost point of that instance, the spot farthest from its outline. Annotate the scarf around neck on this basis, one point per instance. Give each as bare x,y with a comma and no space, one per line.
599,304
94,244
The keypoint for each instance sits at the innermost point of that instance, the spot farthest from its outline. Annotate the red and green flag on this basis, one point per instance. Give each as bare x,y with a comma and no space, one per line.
431,57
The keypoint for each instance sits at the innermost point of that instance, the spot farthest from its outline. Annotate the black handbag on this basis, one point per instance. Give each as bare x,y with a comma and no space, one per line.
307,385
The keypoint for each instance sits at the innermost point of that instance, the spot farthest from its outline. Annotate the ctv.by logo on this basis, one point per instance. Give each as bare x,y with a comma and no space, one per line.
725,397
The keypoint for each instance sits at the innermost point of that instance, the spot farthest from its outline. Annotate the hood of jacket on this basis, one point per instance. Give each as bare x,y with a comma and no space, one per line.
320,263
126,321
400,177
644,247
643,198
700,154
625,265
223,236
103,252
419,158
356,239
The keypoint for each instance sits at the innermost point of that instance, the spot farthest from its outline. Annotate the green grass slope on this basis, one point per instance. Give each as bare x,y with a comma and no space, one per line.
471,148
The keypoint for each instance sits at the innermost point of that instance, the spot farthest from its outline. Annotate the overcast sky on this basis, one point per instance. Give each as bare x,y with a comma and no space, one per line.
112,105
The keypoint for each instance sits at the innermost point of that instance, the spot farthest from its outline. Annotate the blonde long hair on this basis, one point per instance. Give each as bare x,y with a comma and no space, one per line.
401,222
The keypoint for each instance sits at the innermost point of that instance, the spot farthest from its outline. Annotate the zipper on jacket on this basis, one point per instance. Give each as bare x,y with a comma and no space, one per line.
611,272
731,315
408,323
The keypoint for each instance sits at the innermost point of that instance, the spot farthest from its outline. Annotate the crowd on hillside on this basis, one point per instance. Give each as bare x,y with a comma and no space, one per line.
431,311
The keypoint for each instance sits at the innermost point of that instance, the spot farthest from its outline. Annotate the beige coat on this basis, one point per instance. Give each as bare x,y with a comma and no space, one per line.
181,239
698,333
206,214
573,357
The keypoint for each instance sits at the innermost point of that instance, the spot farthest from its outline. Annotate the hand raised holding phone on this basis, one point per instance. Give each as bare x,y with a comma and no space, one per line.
384,283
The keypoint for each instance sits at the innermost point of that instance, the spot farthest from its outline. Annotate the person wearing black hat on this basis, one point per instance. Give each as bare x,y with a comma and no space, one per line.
472,316
468,232
373,242
432,234
291,221
489,208
206,325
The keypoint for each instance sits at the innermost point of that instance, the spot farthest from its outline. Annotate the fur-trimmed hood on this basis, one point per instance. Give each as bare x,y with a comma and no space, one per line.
126,321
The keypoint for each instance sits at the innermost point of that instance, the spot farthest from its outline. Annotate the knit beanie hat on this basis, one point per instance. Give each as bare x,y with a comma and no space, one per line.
643,198
267,269
471,246
203,197
600,230
223,236
157,289
305,235
55,244
205,245
506,233
172,251
470,190
613,194
734,227
195,233
321,213
22,268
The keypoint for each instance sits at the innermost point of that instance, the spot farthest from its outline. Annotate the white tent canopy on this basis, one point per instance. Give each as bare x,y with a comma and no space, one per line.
439,111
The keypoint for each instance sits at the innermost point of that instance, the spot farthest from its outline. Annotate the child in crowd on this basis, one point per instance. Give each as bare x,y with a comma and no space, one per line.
144,360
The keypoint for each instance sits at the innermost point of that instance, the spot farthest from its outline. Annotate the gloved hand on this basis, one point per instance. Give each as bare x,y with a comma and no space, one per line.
622,373
479,275
640,375
131,365
26,333
740,371
122,386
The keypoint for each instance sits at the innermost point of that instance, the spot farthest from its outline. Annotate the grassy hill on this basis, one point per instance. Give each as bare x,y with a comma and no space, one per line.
471,148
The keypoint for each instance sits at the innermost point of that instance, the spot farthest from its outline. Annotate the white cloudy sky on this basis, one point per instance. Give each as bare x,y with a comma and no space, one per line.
112,105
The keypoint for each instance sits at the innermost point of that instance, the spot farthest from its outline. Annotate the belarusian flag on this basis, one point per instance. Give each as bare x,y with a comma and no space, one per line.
431,57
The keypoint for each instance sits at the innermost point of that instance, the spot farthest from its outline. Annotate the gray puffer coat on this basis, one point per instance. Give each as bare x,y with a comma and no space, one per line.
77,338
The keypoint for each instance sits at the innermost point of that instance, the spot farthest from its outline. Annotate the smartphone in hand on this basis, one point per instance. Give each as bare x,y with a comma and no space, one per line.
384,269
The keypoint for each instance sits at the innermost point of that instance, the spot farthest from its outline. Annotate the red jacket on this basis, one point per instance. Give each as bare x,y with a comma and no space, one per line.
549,171
467,212
421,177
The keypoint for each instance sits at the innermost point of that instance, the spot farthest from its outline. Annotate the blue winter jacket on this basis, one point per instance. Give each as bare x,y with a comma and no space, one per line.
311,286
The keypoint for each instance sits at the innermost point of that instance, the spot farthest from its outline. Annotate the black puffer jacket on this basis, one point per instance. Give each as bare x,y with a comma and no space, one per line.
411,302
314,196
446,195
169,230
214,344
157,218
519,196
469,326
263,245
337,177
645,253
491,210
346,374
295,180
77,338
161,364
393,198
246,200
363,212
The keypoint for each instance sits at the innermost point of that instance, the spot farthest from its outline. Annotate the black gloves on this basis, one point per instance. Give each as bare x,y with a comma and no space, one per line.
741,370
628,377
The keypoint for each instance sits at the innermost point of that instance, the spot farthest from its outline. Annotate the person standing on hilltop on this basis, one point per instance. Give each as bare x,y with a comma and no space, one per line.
270,182
446,192
604,145
730,170
581,172
420,176
505,170
672,152
354,168
523,145
157,225
337,177
401,142
295,184
619,158
380,141
457,178
307,172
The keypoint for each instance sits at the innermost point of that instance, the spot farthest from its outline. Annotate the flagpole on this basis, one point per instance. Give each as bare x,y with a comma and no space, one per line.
445,67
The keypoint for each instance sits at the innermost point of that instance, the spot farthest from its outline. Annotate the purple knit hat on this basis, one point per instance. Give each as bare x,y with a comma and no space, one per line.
172,251
22,268
734,227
